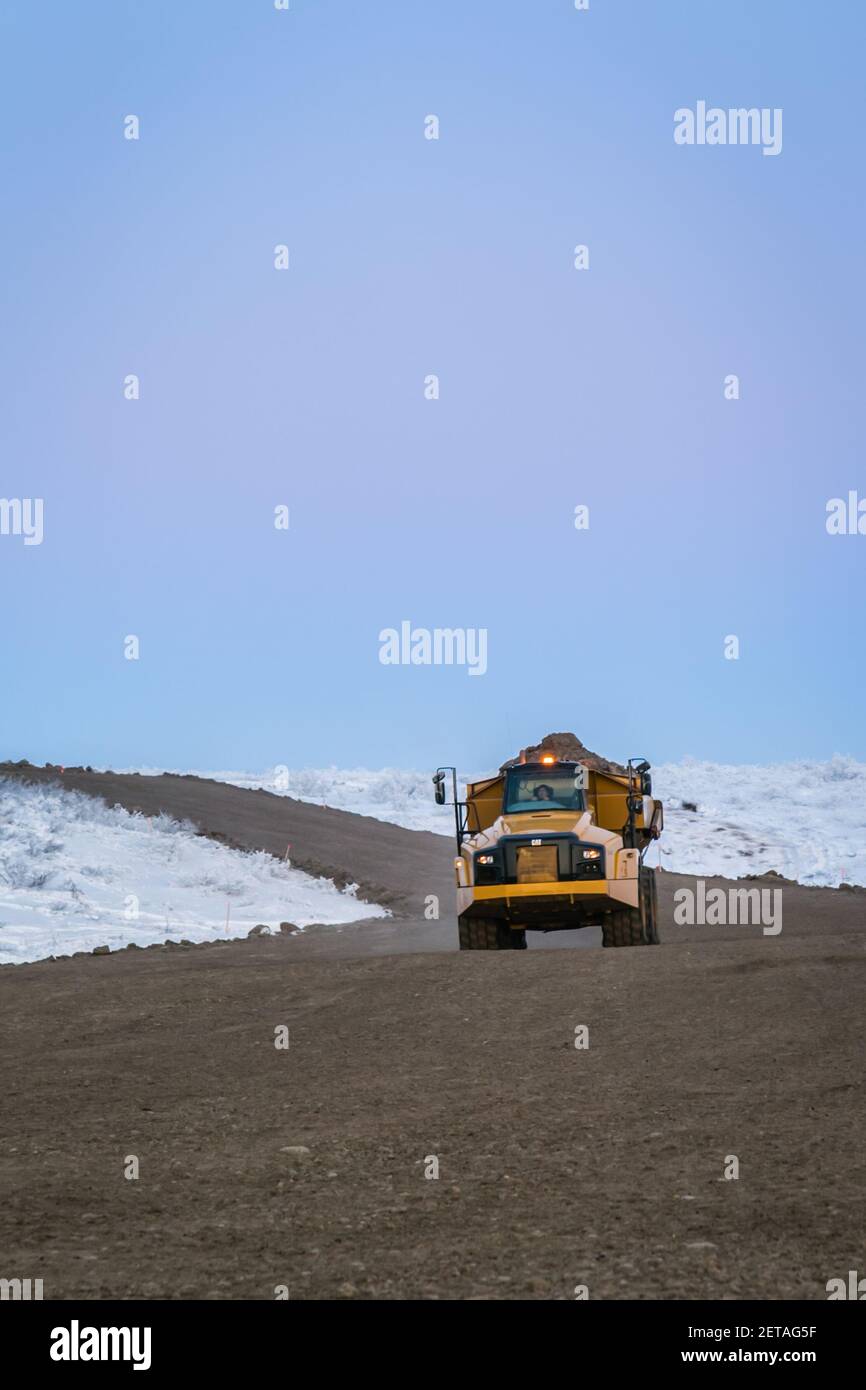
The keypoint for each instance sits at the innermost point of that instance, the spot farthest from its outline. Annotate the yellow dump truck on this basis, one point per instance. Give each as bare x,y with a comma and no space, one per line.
550,845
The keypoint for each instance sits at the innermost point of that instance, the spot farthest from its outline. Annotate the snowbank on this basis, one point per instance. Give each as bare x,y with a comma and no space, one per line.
75,874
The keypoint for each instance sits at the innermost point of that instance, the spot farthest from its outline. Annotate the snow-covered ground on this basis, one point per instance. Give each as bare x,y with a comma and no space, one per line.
806,820
75,874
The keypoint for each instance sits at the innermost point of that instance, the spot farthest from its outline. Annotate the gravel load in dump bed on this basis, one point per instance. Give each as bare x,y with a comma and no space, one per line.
569,748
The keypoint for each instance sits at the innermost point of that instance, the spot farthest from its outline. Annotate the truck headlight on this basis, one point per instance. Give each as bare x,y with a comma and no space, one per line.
587,861
488,867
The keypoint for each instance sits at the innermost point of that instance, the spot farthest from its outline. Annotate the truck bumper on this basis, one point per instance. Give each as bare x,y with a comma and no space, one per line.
560,904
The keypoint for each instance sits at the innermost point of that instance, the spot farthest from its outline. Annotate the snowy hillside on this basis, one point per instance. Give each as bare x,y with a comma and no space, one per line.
805,820
75,874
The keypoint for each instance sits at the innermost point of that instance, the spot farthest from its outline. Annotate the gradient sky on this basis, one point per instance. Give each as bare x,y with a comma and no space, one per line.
409,257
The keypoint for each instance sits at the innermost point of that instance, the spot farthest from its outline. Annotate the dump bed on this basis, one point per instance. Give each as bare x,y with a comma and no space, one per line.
606,797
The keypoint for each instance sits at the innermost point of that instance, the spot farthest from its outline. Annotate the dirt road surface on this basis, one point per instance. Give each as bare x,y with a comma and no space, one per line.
558,1166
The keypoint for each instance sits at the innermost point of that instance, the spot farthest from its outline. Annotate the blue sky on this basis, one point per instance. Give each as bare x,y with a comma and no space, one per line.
408,257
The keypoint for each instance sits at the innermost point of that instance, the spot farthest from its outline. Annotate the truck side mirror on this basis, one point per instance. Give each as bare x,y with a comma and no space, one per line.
641,769
439,788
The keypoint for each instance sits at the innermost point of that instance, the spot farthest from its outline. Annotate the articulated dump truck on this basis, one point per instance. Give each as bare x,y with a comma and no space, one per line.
551,845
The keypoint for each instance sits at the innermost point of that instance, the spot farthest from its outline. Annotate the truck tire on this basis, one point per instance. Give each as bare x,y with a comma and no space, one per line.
631,926
650,897
623,927
486,934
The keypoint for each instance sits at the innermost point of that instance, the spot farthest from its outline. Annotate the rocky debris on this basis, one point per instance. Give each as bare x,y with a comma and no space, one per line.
288,927
690,806
260,930
295,1151
101,951
570,749
768,873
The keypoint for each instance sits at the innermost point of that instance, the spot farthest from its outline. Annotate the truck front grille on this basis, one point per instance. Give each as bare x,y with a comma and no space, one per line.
537,863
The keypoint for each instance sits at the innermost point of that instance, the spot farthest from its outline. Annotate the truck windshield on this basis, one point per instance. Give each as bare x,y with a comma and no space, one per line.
543,789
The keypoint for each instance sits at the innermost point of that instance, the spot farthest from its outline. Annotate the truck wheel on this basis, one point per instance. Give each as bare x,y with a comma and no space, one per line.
623,928
486,934
650,902
630,926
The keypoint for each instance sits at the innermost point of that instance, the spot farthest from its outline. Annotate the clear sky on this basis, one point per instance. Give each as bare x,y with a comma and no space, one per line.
407,257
